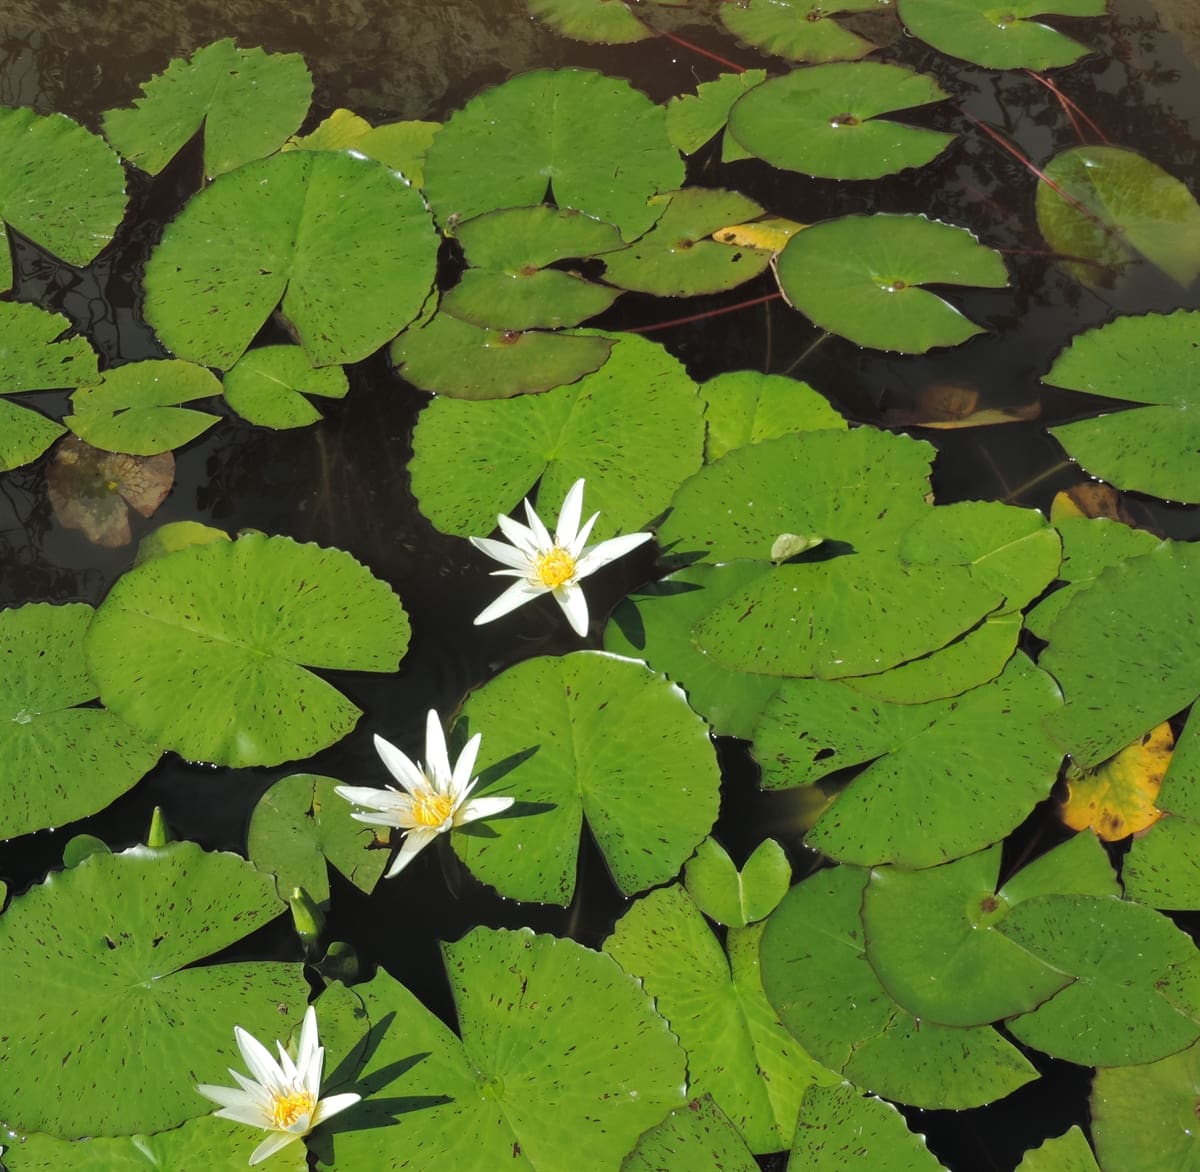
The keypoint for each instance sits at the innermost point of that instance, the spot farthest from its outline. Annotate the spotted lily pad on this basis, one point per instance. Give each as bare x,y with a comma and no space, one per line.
698,1137
268,385
800,29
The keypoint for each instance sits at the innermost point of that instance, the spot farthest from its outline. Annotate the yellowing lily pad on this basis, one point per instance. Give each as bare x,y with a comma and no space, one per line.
1116,799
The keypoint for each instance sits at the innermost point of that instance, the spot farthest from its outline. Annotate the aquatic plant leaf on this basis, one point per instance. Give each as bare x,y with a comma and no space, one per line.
1120,206
568,124
176,535
860,277
135,408
824,120
1068,1152
1120,1009
816,975
634,429
509,285
655,624
1145,360
267,386
101,969
603,738
698,1137
304,226
744,407
399,145
531,1083
298,825
732,897
1003,36
692,119
247,101
801,30
676,258
32,358
201,650
1116,799
339,132
61,186
1142,615
1143,1116
841,1125
216,1145
603,22
737,1050
62,762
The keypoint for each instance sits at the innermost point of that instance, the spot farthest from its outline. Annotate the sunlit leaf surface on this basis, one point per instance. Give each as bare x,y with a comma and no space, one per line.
1116,799
1068,1152
698,1137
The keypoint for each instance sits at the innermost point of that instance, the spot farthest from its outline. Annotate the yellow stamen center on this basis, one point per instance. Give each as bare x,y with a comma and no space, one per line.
431,810
555,568
288,1109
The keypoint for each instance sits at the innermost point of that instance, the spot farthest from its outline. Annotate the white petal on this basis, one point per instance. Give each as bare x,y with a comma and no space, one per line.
331,1106
483,807
568,516
400,766
501,552
437,760
581,537
256,1092
607,551
250,1116
286,1064
369,796
272,1144
390,821
229,1097
414,842
308,1049
541,535
464,767
519,593
258,1059
523,538
570,597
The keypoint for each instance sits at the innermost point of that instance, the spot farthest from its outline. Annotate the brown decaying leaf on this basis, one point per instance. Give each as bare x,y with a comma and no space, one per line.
1090,499
946,406
93,490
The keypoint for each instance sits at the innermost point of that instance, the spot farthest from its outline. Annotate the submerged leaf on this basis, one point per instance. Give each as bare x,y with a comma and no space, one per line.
1116,799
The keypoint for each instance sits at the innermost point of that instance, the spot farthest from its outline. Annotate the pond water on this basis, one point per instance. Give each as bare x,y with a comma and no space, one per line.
344,482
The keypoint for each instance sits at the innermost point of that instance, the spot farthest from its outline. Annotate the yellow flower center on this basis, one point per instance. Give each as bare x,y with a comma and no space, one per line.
432,810
555,568
286,1110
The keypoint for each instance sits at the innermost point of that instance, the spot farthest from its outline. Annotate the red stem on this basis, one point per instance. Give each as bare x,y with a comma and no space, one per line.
703,52
683,321
1071,109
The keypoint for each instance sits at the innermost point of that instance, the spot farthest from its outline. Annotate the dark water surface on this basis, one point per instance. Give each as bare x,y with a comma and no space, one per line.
344,482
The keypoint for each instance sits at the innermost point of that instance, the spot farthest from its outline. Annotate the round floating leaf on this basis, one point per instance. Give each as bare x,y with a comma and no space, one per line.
306,226
201,649
633,429
601,738
676,258
101,970
861,277
825,121
458,360
605,22
135,408
267,386
568,124
509,286
692,119
298,824
247,101
533,1081
732,897
1068,1152
1148,360
800,29
1118,1010
1144,1117
1000,36
1162,868
697,1137
61,186
62,762
1118,205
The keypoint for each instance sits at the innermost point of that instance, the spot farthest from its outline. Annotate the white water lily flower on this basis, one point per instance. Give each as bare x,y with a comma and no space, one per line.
281,1097
542,564
435,799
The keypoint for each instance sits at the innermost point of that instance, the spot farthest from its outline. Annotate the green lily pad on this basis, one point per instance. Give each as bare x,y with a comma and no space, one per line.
298,825
692,119
201,650
101,970
531,1083
1147,360
509,286
603,22
737,1050
732,897
1143,614
816,975
33,359
174,536
1120,206
135,408
861,277
697,1137
602,738
825,121
998,35
61,186
247,101
458,360
801,30
62,761
1119,1010
304,226
676,258
655,624
745,407
401,146
1162,868
267,386
1068,1152
568,124
634,429
1144,1117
